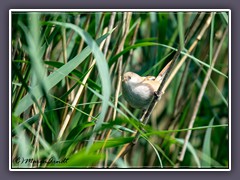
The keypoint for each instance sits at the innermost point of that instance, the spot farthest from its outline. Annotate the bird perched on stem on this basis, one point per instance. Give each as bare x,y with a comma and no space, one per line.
138,91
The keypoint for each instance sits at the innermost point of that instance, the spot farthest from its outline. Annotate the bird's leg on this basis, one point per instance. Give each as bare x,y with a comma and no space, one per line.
158,96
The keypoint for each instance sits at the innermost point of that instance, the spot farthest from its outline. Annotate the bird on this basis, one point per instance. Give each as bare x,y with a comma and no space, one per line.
139,91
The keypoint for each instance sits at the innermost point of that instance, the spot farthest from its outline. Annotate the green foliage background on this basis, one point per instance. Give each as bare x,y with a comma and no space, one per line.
66,93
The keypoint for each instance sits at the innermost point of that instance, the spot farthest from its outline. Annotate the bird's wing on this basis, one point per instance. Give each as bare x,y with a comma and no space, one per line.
151,78
154,85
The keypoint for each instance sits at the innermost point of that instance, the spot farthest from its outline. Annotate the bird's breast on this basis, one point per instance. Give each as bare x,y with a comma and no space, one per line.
138,95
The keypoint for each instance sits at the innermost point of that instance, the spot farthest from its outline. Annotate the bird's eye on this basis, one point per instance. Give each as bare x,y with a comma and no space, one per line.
129,77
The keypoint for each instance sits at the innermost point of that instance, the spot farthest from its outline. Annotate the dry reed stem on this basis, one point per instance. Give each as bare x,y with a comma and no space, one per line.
78,95
36,143
127,19
199,99
110,26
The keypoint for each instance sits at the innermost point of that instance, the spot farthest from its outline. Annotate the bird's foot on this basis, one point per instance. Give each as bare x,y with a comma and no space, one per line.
158,96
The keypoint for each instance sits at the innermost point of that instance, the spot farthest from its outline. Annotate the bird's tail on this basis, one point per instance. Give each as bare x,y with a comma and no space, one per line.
163,72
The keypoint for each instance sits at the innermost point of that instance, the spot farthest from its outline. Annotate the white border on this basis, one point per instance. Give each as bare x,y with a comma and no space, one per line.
117,10
230,86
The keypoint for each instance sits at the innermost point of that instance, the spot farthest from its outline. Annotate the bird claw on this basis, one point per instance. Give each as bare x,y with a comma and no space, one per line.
158,96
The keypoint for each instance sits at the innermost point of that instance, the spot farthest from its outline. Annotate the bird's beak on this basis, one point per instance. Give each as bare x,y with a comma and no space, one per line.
124,78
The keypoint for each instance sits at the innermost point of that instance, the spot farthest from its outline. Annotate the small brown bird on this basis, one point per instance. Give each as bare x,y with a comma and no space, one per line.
138,91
